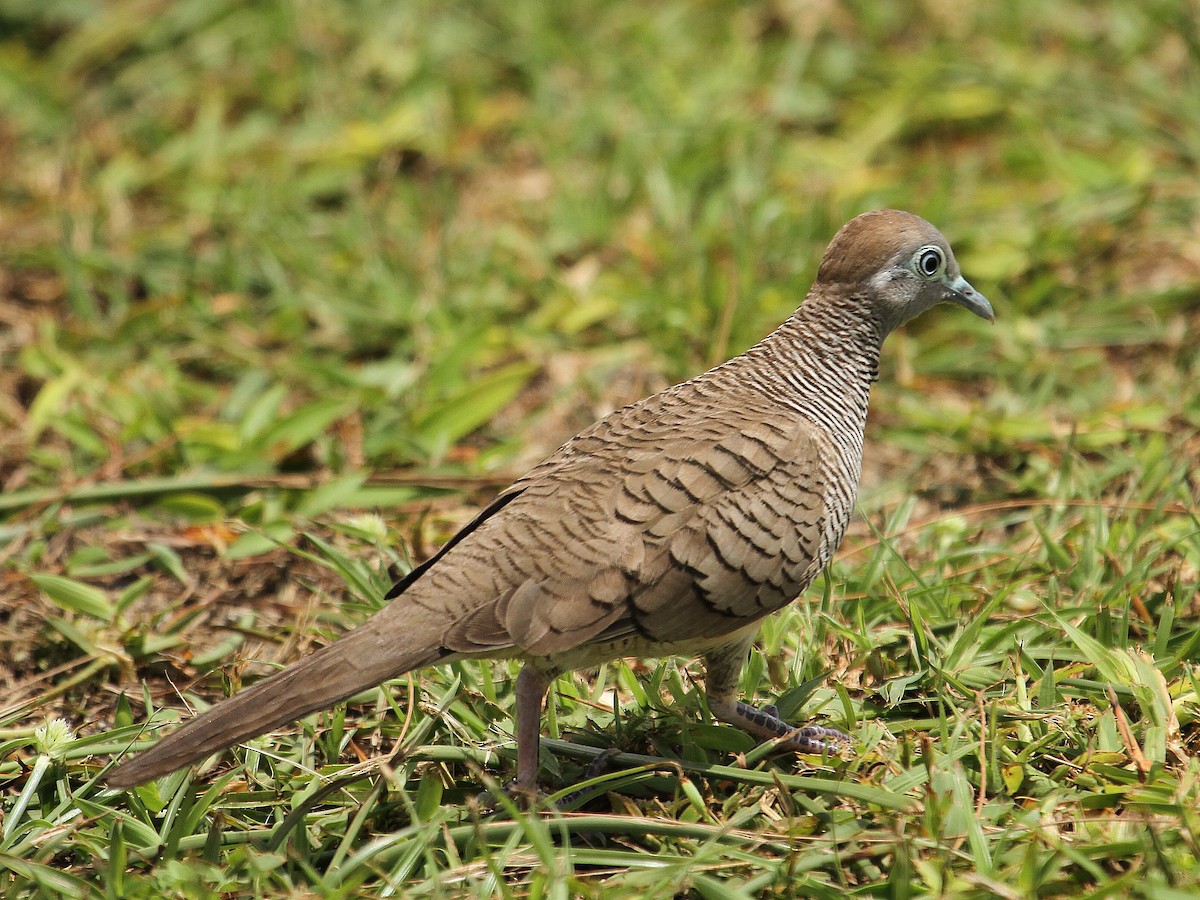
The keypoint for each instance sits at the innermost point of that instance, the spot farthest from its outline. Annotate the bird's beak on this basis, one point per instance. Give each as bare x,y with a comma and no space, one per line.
967,297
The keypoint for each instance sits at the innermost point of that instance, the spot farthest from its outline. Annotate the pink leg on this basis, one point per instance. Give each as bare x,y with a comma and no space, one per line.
531,691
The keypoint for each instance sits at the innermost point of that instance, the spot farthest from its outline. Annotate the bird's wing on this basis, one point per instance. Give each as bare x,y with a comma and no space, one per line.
670,521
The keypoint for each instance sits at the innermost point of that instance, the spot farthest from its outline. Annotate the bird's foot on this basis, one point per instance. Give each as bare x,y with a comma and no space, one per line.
526,797
766,723
597,767
806,738
599,764
522,796
815,739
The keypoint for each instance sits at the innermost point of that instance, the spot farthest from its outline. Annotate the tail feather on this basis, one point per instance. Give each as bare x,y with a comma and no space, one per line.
380,649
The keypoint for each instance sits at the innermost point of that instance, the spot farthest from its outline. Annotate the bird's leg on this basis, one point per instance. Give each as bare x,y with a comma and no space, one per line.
532,684
723,666
531,691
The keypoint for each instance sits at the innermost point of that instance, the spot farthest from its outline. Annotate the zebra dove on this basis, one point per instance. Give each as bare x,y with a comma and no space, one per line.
672,526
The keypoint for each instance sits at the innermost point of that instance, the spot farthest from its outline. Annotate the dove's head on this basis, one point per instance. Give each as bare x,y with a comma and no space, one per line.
899,264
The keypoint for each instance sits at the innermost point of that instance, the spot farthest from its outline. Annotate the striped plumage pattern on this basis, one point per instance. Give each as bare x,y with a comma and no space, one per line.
672,525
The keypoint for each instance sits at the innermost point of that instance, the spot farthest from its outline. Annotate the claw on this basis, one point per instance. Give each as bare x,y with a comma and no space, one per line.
765,723
526,798
523,797
815,739
597,767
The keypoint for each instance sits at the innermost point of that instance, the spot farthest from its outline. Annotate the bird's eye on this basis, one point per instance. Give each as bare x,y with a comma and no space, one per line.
930,261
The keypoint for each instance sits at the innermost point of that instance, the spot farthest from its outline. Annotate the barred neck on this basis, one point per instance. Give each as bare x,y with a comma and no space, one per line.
822,362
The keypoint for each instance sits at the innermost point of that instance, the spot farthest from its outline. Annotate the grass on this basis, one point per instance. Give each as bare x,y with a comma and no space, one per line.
288,290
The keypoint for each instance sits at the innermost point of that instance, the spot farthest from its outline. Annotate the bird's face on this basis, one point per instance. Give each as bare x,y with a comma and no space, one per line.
900,265
921,277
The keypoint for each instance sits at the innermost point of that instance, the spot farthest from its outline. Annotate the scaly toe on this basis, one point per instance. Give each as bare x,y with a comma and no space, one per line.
815,739
523,797
597,767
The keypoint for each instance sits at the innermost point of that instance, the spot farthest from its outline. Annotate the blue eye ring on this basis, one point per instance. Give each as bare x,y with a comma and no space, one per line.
930,261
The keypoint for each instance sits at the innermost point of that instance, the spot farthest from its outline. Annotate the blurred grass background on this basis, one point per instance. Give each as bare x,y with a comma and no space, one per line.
287,288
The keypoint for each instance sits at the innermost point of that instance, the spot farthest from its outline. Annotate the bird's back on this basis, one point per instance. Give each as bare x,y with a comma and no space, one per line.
676,520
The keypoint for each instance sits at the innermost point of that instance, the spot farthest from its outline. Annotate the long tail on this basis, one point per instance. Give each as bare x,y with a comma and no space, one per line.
392,642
